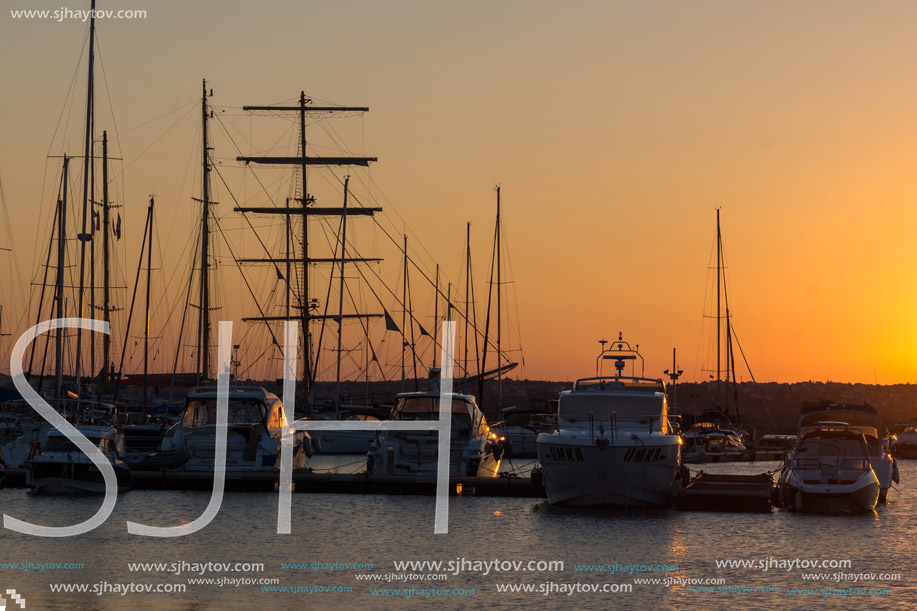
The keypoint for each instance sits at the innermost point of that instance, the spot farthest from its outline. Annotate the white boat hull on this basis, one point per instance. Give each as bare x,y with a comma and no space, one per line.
73,478
577,472
345,442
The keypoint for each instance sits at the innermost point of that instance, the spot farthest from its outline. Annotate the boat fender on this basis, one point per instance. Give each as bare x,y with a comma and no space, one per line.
497,450
370,463
307,446
895,476
316,442
601,442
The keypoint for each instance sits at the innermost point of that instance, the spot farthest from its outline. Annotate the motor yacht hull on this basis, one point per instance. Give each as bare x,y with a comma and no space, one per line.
416,454
906,450
68,477
345,442
811,500
641,473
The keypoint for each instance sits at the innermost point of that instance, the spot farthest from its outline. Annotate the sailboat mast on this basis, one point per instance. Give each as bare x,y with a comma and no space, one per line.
341,293
435,315
499,349
467,295
301,161
203,353
305,304
730,353
288,261
106,263
410,313
719,321
490,291
87,162
61,249
404,310
146,327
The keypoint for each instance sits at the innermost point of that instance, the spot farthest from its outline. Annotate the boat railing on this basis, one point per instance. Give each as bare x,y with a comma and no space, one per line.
631,424
836,462
619,383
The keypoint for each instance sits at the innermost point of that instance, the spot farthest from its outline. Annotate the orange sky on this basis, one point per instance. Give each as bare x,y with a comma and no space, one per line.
615,130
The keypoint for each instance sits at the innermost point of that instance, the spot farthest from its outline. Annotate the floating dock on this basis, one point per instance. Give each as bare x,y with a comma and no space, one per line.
341,483
723,492
705,492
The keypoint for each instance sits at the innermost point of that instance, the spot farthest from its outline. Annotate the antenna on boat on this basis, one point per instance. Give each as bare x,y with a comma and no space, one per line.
674,374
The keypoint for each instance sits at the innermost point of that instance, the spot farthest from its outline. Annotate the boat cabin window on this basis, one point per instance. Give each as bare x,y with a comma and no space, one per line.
578,407
427,408
277,419
59,443
203,412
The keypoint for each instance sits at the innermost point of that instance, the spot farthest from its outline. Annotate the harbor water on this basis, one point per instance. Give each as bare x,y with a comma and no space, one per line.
345,551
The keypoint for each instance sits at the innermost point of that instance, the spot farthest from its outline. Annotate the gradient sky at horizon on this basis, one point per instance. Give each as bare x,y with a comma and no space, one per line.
614,128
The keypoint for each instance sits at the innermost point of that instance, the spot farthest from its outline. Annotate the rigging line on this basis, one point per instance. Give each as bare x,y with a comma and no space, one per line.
13,254
700,335
152,144
194,102
363,323
404,307
44,285
365,326
192,153
416,266
508,263
147,227
730,356
247,220
490,290
111,107
160,304
747,366
252,362
240,152
181,328
70,93
321,333
273,147
67,104
245,280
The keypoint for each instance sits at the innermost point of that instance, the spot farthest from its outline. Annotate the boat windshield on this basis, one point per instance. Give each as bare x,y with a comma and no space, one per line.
847,448
427,408
600,406
203,412
59,443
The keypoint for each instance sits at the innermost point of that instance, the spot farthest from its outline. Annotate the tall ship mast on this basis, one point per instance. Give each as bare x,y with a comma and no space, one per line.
307,208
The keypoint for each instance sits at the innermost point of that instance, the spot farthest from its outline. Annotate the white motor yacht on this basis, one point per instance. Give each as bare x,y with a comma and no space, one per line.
865,418
62,468
408,452
905,445
350,442
713,438
255,425
829,471
615,444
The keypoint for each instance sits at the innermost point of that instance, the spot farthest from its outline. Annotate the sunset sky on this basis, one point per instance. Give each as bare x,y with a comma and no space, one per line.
615,129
